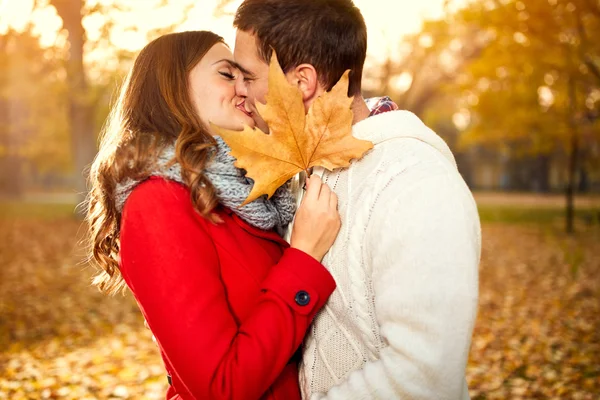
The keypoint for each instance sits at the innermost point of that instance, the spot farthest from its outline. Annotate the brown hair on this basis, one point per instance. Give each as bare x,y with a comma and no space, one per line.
331,35
154,110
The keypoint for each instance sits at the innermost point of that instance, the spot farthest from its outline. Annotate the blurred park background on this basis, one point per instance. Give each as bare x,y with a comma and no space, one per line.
512,86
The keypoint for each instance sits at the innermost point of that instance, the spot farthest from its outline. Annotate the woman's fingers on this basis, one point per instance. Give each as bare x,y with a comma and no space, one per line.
313,190
333,201
317,220
325,194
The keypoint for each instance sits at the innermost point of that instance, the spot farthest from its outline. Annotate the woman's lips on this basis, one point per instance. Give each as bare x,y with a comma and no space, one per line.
242,108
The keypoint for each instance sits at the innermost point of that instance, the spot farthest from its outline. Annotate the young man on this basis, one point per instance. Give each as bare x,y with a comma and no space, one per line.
399,324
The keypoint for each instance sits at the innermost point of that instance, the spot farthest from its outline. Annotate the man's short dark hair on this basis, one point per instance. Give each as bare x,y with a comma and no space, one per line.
331,35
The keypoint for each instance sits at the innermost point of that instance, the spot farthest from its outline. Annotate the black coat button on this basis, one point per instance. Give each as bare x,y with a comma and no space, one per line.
302,298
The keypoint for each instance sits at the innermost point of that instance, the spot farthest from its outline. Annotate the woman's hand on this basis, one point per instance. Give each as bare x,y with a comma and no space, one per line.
317,222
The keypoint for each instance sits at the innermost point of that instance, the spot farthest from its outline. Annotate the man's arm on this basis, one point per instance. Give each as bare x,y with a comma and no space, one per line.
423,243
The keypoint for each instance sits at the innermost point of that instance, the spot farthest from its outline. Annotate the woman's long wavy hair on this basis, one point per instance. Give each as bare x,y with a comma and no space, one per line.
154,110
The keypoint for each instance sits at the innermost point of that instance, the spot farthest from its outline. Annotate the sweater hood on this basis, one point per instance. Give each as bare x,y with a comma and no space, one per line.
400,124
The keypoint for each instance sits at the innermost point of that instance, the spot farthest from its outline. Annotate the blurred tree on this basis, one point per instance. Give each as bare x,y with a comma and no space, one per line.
428,61
416,76
81,123
32,129
535,89
87,87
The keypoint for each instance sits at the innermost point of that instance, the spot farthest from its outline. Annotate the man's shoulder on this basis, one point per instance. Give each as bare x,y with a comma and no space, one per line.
403,168
402,158
404,132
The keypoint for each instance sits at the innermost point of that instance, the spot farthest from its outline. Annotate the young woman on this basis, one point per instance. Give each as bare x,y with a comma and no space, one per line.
228,300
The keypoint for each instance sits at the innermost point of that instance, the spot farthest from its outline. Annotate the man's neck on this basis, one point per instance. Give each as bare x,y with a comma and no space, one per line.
359,109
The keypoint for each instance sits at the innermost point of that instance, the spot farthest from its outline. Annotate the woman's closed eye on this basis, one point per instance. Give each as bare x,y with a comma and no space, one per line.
228,75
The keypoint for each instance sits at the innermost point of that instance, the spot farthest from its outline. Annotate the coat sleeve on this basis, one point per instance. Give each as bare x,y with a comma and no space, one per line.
423,243
170,264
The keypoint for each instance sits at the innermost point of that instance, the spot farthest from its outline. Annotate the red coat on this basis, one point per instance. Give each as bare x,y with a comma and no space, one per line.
229,304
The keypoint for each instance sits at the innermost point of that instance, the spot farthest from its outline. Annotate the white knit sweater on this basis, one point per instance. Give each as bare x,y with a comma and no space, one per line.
399,324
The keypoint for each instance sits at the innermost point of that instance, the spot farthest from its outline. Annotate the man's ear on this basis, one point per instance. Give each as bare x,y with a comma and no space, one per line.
305,77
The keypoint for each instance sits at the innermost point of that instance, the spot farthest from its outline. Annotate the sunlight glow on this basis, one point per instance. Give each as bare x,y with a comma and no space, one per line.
462,119
14,14
387,20
545,96
402,82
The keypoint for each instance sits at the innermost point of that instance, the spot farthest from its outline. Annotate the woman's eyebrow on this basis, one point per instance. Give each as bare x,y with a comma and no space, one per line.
235,65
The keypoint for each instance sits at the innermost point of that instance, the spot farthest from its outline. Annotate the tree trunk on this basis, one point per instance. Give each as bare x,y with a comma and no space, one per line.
573,153
11,182
83,138
574,149
14,131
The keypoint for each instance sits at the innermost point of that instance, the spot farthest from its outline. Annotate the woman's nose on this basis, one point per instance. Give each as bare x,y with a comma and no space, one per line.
240,87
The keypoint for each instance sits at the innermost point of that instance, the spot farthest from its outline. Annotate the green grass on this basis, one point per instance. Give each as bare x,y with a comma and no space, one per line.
488,213
20,210
531,215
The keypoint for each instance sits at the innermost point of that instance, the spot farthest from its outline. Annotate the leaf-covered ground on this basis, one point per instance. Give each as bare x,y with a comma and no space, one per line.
59,337
538,329
537,333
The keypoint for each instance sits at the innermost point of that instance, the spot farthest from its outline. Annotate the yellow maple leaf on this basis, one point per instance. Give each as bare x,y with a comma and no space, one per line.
297,141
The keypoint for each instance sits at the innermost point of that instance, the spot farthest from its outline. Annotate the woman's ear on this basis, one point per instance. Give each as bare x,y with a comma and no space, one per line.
305,77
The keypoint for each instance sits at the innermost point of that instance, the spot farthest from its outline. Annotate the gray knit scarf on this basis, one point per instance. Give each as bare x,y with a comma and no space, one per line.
232,187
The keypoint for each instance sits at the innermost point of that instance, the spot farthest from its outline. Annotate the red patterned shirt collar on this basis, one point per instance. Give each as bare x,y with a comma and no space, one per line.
379,105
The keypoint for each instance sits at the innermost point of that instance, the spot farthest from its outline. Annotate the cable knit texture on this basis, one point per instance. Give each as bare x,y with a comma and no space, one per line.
399,324
232,186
